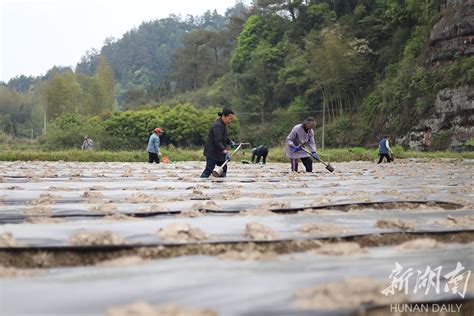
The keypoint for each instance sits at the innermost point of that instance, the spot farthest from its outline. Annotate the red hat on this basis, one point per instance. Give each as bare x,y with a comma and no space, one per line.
158,130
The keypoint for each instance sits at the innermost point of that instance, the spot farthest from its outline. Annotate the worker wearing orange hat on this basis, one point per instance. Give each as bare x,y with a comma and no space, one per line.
153,147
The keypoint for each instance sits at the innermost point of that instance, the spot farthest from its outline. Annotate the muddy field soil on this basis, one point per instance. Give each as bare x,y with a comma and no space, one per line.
141,239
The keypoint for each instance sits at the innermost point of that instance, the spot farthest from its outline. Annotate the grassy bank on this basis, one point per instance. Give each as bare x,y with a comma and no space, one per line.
275,155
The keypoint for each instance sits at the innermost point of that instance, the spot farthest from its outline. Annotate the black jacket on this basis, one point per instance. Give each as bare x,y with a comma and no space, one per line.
217,139
261,150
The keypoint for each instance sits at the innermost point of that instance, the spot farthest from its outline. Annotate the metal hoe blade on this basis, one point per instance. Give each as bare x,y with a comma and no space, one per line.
329,167
219,170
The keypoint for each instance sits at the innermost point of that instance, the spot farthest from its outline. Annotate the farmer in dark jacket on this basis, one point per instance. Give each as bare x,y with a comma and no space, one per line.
215,149
260,152
385,150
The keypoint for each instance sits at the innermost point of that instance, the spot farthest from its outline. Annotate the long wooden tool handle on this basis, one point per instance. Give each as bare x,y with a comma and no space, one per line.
318,159
231,155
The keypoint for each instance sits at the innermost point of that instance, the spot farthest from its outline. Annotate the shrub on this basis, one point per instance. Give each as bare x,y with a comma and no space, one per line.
68,131
441,140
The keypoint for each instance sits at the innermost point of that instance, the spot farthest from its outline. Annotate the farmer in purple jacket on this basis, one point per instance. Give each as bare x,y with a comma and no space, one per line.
301,135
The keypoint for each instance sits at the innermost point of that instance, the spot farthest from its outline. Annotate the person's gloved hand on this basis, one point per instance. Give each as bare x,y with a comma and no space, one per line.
296,148
315,155
233,144
227,156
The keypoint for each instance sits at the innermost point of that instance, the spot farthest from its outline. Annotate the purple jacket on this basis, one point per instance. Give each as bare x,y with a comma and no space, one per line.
297,137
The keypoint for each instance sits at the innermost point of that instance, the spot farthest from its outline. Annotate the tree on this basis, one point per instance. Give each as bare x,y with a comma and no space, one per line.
22,83
106,83
16,113
64,95
193,60
89,62
246,42
336,68
91,94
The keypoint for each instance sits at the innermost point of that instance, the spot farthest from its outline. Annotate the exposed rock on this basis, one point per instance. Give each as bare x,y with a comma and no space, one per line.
453,115
453,33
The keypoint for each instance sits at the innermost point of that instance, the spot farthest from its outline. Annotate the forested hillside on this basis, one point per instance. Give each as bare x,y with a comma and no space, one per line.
363,67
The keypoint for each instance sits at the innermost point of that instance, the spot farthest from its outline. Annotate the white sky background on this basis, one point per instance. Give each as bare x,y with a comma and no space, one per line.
35,35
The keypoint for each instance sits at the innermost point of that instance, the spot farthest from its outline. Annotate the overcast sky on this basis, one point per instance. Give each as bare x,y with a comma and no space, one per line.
35,35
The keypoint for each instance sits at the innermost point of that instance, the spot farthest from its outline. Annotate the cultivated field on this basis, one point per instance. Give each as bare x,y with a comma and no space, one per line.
117,238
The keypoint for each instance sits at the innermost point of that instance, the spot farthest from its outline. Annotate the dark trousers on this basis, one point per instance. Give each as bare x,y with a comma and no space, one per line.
210,164
387,156
153,157
307,162
258,158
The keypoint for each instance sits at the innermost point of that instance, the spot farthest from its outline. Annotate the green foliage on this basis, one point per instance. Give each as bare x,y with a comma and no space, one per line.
202,59
184,125
336,68
220,91
286,119
346,130
321,15
415,43
147,56
271,63
131,129
68,92
246,42
17,111
456,74
276,154
405,93
106,83
63,95
89,156
68,131
292,77
22,83
441,140
5,138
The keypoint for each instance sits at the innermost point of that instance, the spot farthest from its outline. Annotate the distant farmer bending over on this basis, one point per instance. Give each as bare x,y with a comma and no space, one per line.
87,144
260,152
299,136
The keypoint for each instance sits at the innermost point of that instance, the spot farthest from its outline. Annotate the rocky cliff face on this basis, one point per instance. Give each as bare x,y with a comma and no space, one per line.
452,118
453,34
